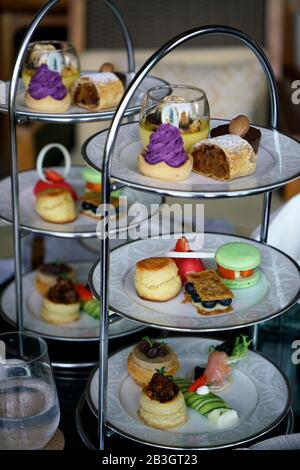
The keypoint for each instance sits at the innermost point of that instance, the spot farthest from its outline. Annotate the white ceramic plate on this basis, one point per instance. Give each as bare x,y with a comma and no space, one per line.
85,329
75,113
277,163
277,290
259,393
83,226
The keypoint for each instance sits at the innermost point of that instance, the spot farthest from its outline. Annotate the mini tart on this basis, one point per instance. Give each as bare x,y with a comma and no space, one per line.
59,313
48,104
56,205
165,415
45,278
141,368
163,171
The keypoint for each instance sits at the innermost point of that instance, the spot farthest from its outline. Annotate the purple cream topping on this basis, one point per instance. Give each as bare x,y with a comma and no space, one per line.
46,82
166,145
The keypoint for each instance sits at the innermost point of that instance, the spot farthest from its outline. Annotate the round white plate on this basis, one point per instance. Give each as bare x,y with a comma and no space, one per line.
259,393
83,226
277,163
277,290
85,329
75,113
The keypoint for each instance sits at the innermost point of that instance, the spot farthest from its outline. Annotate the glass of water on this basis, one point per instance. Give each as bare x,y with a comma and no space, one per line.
29,408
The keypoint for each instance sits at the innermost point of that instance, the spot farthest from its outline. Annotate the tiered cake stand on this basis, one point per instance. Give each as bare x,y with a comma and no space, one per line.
283,167
16,196
114,291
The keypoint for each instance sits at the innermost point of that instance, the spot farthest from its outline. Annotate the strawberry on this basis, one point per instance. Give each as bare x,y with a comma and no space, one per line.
225,273
187,265
53,176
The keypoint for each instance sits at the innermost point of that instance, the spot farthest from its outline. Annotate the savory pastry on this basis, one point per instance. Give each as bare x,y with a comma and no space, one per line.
61,304
46,92
162,405
56,205
224,158
97,91
207,293
157,279
237,264
90,202
179,112
47,275
148,356
187,265
165,158
240,125
208,404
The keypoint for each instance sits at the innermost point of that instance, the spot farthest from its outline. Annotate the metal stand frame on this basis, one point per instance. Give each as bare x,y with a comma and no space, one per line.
108,151
14,120
106,170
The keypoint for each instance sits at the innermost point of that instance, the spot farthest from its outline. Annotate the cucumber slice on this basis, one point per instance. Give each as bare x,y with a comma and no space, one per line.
92,308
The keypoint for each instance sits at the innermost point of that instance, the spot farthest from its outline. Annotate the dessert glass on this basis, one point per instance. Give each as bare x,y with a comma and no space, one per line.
59,56
183,106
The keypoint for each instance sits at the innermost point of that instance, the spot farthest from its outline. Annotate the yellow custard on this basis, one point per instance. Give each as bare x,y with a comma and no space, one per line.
189,138
69,76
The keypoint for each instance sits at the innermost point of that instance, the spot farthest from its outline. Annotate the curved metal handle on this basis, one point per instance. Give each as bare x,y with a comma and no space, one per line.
126,35
106,168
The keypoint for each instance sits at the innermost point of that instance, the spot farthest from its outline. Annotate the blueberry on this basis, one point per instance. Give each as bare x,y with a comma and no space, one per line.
196,298
162,351
152,353
211,304
225,302
189,288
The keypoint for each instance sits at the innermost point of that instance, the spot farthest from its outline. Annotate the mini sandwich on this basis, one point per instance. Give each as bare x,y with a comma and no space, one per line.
90,202
208,293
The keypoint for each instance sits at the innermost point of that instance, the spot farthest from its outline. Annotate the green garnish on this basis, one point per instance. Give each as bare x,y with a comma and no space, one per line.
149,340
236,350
161,371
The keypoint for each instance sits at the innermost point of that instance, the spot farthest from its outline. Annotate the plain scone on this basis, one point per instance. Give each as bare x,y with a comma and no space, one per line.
157,279
55,205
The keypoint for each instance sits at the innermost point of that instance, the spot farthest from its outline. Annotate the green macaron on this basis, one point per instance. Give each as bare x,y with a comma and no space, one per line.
91,176
239,257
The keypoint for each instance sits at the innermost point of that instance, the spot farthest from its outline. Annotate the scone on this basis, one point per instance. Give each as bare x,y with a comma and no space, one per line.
56,205
61,304
165,157
162,405
46,92
47,275
157,279
148,356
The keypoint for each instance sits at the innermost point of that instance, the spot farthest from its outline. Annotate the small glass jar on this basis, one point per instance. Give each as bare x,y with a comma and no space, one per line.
59,56
185,107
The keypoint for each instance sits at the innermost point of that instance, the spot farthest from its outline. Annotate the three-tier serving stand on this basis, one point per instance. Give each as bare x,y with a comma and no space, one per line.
17,117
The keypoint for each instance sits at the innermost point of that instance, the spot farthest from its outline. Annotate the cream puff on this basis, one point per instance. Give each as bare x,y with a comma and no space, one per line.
47,275
56,205
162,405
157,279
61,304
46,92
165,158
148,356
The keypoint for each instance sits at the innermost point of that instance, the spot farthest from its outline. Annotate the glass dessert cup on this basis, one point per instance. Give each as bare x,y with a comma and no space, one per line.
59,56
183,106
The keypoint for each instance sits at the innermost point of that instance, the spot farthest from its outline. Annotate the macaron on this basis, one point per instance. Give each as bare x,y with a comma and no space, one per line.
93,180
237,264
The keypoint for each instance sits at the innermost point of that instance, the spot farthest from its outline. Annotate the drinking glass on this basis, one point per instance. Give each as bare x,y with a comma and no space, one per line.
29,409
59,56
185,107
